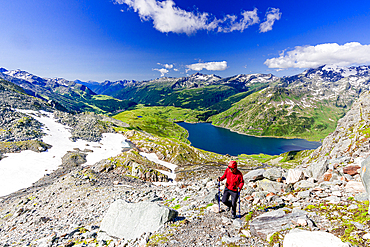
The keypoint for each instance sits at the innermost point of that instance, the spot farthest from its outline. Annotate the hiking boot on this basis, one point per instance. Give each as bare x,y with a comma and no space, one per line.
233,216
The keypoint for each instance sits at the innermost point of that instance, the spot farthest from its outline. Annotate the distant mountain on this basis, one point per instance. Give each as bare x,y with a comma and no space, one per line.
305,105
198,91
106,87
71,96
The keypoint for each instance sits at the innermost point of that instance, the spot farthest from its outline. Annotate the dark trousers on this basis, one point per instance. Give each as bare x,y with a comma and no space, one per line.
234,199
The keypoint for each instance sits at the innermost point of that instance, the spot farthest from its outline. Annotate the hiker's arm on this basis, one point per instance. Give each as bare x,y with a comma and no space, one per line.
241,184
223,176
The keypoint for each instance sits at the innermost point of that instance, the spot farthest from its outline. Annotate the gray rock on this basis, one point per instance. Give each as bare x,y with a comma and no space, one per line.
294,175
248,190
358,225
272,174
254,175
348,177
131,220
73,159
271,186
316,170
304,184
205,181
261,194
361,197
365,175
227,239
302,238
238,223
304,194
332,199
274,221
211,197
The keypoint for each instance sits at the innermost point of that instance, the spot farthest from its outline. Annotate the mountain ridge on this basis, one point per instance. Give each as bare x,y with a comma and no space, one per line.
69,95
326,92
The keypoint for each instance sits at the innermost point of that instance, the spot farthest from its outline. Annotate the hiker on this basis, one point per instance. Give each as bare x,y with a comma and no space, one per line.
234,184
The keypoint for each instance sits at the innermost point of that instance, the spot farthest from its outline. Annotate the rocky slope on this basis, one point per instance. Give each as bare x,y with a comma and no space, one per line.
320,202
351,136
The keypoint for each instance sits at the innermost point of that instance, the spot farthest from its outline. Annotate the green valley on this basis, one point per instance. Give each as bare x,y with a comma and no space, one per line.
160,120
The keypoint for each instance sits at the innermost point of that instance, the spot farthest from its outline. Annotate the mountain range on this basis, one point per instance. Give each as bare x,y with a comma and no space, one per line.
66,95
307,105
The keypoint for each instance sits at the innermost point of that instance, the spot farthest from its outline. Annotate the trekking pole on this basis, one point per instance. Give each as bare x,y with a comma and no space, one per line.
239,204
219,194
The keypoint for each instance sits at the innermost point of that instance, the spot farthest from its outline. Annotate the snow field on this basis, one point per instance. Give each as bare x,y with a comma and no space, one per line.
20,170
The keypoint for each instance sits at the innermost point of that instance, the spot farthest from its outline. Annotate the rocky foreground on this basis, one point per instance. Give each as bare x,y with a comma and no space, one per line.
68,210
320,202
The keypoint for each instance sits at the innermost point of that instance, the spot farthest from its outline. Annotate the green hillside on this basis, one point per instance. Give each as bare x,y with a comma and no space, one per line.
264,114
163,95
160,121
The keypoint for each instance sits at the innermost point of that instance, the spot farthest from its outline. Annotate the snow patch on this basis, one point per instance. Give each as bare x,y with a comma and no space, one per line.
153,157
20,170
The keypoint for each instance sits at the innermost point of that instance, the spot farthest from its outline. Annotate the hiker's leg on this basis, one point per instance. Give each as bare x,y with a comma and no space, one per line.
225,197
234,201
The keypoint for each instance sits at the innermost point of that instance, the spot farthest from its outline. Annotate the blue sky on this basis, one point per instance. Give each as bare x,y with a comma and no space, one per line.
146,39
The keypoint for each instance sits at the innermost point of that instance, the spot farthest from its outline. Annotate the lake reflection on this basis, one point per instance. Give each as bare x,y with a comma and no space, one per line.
223,141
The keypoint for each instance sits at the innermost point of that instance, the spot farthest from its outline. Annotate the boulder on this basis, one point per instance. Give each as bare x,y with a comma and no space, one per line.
361,197
304,184
274,221
351,169
294,175
304,194
131,220
270,186
254,175
354,187
214,208
302,238
211,197
72,159
365,175
273,174
316,170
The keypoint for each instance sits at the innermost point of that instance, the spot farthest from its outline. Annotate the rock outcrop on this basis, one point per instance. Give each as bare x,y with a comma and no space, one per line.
352,135
303,238
131,220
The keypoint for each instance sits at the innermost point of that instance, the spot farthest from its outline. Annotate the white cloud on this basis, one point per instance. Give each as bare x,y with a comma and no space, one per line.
208,66
272,15
230,24
163,71
167,66
167,17
314,56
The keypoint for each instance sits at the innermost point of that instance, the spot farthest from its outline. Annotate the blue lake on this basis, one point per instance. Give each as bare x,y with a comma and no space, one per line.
223,141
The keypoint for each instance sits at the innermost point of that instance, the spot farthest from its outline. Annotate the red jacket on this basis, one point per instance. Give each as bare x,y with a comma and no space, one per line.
233,181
